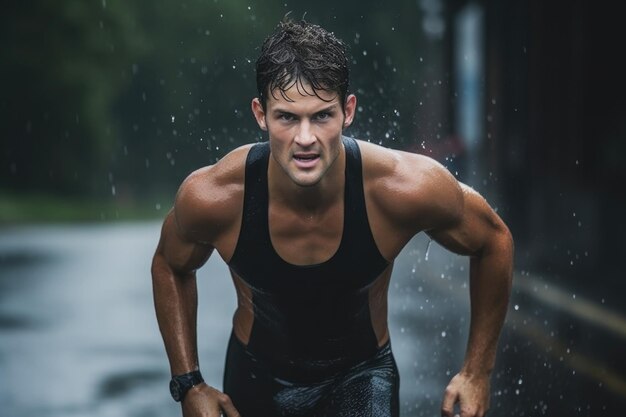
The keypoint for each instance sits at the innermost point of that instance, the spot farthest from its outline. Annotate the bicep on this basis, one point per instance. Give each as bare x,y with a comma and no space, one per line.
472,229
179,252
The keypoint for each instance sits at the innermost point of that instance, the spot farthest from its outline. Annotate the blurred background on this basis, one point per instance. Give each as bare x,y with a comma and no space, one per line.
106,106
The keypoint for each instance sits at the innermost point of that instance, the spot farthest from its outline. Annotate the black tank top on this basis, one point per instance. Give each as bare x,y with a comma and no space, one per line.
310,321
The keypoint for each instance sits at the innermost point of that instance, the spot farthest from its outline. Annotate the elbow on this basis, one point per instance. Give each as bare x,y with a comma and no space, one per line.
507,239
160,267
506,247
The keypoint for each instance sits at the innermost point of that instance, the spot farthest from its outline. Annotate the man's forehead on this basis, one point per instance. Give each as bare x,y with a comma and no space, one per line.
295,96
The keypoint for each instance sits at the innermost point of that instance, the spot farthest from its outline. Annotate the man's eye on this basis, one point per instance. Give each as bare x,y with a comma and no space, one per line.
322,116
286,117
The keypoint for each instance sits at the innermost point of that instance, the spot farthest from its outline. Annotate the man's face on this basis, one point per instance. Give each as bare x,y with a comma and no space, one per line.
304,130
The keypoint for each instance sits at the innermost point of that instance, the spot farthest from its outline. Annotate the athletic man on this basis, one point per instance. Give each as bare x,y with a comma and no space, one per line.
309,224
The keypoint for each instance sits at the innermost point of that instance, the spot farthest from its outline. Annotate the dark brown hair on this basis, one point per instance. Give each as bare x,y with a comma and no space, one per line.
301,53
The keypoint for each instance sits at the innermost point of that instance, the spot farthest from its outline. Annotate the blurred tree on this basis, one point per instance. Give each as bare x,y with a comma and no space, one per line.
118,99
64,63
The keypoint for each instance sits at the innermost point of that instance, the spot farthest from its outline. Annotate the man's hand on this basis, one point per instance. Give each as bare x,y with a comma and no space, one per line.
205,401
471,392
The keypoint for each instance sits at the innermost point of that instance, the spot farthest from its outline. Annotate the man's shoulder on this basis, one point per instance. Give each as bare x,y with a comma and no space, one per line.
408,185
212,196
401,167
228,172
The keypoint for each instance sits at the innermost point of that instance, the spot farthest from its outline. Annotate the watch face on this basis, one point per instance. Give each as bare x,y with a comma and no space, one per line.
175,389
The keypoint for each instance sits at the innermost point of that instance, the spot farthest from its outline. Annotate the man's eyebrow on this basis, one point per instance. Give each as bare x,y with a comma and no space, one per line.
279,110
330,108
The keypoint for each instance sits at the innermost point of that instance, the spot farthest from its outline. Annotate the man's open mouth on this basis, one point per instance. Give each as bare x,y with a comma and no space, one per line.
306,157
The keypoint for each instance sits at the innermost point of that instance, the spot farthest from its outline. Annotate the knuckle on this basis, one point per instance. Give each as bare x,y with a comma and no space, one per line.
224,398
469,412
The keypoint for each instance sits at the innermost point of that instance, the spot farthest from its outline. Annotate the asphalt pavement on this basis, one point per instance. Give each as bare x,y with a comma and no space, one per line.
78,335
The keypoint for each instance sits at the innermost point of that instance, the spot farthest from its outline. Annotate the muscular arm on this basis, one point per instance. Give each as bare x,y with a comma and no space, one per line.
185,245
175,297
470,227
481,234
415,193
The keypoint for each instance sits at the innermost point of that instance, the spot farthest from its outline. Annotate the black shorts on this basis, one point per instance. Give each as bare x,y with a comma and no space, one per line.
367,389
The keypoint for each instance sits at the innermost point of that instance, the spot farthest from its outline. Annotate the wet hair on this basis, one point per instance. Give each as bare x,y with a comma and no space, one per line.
304,55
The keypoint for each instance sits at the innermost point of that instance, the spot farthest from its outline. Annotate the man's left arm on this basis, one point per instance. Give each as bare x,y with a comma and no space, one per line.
476,230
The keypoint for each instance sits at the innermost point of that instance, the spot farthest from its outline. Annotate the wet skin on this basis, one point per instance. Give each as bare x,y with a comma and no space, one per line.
404,193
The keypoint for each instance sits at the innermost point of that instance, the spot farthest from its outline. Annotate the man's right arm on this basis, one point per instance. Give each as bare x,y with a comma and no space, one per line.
177,257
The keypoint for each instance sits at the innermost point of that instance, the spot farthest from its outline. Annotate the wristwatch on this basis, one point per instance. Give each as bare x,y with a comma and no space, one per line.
180,384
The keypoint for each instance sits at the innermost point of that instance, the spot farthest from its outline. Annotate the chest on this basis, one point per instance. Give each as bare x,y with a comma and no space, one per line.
306,238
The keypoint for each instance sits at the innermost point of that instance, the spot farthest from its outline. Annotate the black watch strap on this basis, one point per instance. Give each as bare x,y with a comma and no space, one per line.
180,384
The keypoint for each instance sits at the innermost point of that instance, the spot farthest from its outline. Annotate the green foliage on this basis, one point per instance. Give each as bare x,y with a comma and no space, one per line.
119,101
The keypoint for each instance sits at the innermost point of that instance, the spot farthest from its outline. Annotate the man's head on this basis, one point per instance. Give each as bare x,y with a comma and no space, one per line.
303,104
303,55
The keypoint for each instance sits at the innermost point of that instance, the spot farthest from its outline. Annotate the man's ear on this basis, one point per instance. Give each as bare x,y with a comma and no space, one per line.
349,110
259,113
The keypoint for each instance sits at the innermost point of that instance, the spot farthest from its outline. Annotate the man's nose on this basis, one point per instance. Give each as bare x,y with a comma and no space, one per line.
305,136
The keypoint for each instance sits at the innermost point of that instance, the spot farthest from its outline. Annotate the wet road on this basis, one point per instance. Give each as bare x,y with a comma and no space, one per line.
78,336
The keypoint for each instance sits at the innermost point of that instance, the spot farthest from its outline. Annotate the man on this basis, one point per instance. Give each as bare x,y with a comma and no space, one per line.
309,224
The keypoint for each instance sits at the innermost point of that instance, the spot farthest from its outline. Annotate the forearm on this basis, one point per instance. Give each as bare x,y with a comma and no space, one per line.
490,287
175,300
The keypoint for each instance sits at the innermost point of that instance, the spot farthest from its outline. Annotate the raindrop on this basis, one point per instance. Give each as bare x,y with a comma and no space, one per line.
443,334
516,307
173,118
427,247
